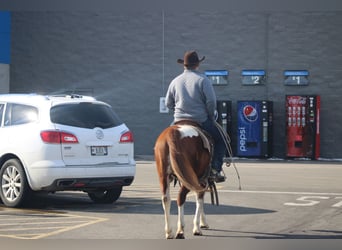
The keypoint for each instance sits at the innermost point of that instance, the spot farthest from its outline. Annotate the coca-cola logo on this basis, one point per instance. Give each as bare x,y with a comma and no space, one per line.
295,100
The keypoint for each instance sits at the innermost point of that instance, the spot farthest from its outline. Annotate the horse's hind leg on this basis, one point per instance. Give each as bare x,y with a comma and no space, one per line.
180,203
199,219
166,200
162,162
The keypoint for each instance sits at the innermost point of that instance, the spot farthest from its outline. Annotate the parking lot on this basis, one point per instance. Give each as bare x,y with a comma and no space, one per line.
278,200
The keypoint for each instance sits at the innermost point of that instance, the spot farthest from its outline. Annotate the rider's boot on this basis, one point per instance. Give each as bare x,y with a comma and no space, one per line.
217,176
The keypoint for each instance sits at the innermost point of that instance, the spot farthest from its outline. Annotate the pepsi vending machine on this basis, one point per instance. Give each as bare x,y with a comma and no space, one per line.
254,128
302,126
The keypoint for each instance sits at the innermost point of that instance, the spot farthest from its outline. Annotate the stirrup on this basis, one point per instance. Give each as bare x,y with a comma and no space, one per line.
227,161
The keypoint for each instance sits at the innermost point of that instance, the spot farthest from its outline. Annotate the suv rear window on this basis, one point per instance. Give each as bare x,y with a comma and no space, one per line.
84,115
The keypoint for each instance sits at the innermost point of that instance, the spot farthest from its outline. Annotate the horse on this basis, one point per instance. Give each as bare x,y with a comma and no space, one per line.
183,151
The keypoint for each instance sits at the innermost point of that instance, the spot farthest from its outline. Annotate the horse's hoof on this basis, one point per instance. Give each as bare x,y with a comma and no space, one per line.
180,236
205,227
169,236
198,233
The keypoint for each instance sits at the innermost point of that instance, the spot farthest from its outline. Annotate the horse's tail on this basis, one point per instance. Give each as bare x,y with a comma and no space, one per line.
181,165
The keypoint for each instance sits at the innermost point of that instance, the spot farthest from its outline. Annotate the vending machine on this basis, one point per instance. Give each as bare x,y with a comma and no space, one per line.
302,126
224,115
254,135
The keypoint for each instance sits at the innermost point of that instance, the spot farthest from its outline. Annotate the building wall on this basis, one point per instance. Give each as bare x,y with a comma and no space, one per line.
129,59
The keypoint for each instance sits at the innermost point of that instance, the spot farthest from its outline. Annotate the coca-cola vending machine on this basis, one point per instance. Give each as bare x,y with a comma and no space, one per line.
302,126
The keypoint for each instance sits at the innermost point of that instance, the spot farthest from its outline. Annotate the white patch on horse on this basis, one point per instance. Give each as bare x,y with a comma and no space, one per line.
187,131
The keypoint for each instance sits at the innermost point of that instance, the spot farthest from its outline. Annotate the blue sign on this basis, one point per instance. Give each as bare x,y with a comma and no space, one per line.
216,73
296,73
253,77
5,37
247,72
217,77
296,77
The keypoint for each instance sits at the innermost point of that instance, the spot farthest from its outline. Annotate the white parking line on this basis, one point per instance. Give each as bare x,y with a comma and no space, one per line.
276,192
36,225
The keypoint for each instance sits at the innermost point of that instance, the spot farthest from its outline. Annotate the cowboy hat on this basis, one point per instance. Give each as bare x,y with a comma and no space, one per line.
190,59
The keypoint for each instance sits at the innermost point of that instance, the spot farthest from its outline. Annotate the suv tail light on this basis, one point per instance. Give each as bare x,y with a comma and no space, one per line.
126,137
51,136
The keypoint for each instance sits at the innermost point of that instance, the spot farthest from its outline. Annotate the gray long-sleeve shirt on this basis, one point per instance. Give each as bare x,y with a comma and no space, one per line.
191,96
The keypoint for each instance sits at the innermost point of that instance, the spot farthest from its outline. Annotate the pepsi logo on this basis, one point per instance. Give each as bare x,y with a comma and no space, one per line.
250,113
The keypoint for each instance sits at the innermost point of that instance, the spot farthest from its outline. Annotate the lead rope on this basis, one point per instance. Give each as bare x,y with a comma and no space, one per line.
227,140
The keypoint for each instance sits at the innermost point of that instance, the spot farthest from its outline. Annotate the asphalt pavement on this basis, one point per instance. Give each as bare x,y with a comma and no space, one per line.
278,200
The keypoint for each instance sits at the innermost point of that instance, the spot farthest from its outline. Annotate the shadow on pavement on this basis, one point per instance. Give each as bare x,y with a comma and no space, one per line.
127,205
308,234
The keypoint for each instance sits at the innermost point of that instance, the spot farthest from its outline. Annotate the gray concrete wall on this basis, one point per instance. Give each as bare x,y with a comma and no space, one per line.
129,59
4,78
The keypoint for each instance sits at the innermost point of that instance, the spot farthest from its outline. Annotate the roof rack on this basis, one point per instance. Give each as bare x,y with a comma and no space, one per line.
74,96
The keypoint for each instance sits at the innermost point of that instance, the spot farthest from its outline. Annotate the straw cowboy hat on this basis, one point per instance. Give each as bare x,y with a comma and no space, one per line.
190,59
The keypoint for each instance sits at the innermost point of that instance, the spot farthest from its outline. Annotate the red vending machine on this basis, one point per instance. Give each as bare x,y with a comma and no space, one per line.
302,126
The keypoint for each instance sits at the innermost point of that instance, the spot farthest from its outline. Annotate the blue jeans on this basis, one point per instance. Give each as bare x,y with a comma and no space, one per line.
219,145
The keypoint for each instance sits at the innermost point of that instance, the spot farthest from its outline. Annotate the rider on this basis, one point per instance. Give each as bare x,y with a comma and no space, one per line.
191,96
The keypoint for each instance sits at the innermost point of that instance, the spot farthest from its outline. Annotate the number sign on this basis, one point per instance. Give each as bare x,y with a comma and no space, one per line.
217,77
296,77
253,77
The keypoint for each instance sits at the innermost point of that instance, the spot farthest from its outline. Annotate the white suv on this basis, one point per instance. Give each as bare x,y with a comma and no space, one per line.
56,143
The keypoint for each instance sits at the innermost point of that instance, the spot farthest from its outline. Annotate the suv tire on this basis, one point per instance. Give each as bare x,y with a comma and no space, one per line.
14,189
105,196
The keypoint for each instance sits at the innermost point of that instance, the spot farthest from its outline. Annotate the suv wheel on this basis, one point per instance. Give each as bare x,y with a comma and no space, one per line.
105,196
14,190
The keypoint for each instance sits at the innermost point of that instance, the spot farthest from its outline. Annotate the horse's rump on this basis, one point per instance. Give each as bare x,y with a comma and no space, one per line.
188,157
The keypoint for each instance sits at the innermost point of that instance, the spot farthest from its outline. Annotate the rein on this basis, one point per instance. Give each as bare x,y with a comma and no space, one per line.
227,140
211,187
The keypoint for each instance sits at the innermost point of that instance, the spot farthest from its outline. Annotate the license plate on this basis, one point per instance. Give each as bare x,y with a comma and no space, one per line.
99,150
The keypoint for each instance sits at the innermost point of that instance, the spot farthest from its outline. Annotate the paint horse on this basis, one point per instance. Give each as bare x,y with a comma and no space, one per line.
183,151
